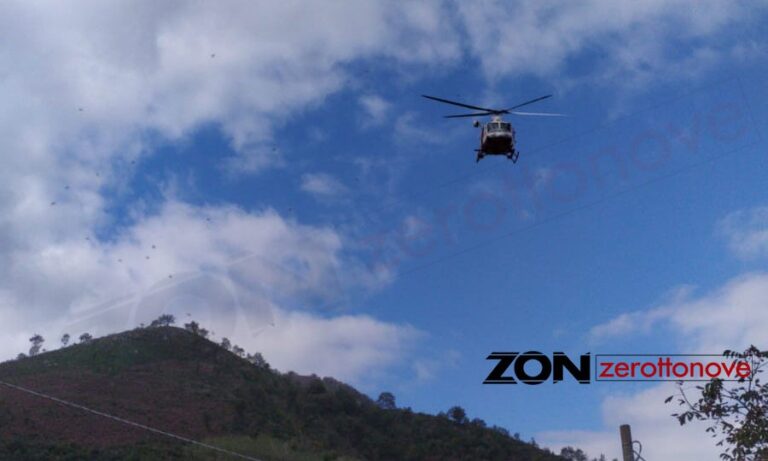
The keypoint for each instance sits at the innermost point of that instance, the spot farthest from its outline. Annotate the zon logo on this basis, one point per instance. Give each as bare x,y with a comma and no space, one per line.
513,367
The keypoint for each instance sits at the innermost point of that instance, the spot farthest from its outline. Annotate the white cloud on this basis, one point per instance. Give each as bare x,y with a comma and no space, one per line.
414,227
351,347
746,232
408,130
376,109
636,41
138,67
731,317
640,322
426,369
322,185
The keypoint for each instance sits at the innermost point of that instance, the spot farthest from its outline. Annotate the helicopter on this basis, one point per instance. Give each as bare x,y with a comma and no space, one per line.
497,137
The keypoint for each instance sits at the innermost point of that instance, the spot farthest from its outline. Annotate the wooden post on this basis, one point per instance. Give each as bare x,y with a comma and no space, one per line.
626,442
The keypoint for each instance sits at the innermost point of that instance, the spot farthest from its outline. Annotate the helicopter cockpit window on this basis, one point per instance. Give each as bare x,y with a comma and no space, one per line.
496,127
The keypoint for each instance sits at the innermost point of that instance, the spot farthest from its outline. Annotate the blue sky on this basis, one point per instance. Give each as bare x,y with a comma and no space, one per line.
295,193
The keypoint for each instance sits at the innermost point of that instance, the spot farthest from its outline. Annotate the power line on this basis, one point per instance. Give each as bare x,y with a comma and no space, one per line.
127,422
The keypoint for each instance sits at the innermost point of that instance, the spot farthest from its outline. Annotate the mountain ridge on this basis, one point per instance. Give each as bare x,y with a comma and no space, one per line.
182,383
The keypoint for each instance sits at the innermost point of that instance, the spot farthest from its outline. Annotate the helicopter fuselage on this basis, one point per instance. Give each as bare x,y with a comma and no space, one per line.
497,137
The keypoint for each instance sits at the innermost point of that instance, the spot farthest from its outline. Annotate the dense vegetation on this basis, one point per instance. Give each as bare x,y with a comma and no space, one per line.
181,382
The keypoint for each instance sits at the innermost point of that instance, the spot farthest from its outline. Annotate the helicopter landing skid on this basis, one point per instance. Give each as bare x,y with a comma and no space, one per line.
512,155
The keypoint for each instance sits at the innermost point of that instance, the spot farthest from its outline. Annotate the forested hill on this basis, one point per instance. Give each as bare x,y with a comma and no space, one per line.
179,381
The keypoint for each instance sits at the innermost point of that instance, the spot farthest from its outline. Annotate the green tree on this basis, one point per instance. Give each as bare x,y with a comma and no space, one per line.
386,401
258,360
37,343
503,431
192,327
164,320
457,415
736,412
478,422
65,340
573,454
85,338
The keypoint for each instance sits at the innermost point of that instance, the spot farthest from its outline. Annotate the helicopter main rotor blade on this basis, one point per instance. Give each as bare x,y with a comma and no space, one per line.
461,104
527,102
538,114
477,114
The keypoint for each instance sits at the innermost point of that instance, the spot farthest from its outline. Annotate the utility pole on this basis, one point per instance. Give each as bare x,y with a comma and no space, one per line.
626,442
